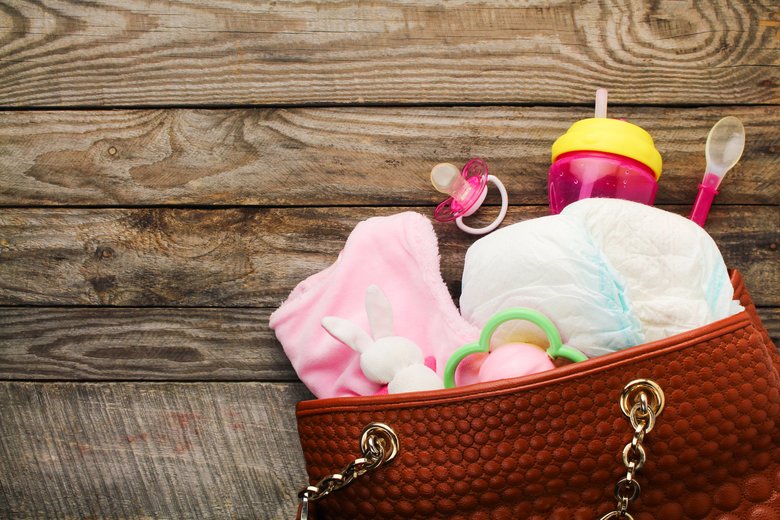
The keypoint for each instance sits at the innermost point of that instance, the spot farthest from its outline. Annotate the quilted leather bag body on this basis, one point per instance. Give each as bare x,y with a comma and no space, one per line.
550,445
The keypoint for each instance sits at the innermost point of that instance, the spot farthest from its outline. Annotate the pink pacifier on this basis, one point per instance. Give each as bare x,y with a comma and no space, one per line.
467,190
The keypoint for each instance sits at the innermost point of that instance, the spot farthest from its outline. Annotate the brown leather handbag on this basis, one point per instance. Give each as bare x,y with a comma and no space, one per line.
683,428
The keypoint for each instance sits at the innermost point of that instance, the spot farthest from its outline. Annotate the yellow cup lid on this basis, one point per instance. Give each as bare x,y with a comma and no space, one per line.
610,136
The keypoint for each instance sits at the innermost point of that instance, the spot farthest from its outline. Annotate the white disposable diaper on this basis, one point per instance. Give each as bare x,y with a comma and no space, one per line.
610,274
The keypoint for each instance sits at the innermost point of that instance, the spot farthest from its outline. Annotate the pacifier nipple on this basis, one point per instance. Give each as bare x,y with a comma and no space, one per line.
446,178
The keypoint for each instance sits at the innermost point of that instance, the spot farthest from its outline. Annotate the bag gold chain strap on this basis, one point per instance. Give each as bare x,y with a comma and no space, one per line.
379,446
642,402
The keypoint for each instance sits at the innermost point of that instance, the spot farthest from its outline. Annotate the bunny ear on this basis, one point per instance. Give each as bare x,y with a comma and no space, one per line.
347,332
379,311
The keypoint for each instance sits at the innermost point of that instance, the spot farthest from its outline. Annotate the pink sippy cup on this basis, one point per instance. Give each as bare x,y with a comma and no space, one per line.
601,157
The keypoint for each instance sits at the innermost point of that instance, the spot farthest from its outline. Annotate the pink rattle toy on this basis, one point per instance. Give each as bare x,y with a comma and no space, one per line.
467,190
512,359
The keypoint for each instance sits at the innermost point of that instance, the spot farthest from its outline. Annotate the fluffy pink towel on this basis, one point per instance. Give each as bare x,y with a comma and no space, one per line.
400,254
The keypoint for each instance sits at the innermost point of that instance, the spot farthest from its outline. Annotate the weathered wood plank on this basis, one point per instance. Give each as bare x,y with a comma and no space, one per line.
130,450
339,156
770,317
99,344
146,343
139,53
253,257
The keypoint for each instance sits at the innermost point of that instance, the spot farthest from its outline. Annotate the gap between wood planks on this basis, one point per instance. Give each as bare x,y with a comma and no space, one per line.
459,104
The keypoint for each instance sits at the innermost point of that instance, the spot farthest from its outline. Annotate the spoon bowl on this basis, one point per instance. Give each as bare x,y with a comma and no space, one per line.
724,147
725,144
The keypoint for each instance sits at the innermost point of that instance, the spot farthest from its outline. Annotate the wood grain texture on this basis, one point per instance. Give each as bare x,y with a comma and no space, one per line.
174,301
100,344
255,256
130,450
147,343
139,53
339,156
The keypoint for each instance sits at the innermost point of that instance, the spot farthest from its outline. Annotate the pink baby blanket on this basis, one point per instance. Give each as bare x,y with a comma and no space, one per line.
400,254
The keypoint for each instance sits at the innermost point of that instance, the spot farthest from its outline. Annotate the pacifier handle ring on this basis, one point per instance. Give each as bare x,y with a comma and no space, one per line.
556,348
501,214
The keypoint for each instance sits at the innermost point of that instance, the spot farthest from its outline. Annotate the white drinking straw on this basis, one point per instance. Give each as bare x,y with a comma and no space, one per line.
601,103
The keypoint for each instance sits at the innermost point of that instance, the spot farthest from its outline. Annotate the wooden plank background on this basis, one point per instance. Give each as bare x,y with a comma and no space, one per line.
138,53
170,170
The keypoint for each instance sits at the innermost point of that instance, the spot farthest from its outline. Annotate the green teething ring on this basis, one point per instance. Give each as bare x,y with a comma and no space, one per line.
556,348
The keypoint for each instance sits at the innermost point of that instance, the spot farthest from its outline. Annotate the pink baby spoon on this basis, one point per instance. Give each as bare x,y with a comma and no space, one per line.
725,144
467,190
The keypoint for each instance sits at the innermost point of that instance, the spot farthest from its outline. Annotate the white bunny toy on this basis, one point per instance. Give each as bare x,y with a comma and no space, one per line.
393,360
